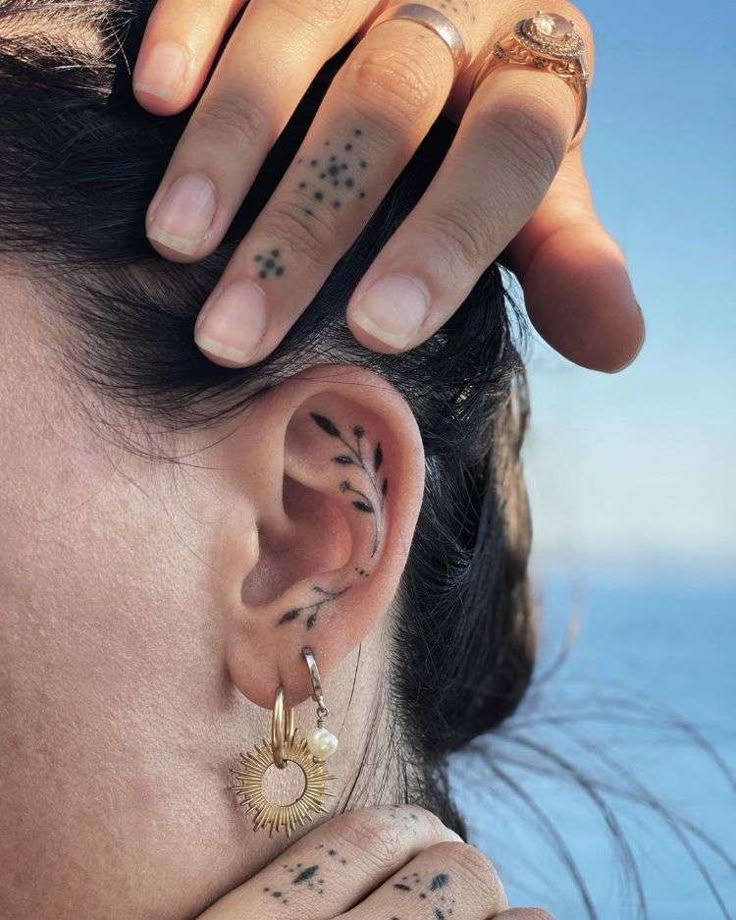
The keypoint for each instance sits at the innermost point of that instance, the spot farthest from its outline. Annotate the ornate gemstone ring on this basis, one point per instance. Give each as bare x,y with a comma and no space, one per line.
547,42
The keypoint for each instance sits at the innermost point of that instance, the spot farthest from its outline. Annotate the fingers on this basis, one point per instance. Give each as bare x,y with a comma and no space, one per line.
445,881
178,48
275,52
524,913
335,866
375,113
504,157
576,286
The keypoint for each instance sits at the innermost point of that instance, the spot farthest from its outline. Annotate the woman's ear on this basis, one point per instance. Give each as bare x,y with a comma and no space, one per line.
324,476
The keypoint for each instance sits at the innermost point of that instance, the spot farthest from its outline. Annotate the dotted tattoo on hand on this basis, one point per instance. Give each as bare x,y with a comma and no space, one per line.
434,891
333,854
270,264
332,176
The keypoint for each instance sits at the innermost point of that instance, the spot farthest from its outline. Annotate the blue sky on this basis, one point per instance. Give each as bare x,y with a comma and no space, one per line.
634,472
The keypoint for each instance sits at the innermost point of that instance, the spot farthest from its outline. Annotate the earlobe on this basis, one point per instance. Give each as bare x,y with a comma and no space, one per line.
335,478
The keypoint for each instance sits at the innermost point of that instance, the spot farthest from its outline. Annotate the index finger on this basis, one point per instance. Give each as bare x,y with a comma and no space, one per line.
179,46
335,866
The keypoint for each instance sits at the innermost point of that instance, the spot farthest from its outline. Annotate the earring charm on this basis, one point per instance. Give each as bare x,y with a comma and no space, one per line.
322,743
308,754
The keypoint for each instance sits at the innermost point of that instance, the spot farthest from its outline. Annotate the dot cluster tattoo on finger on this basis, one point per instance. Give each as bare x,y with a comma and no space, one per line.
304,876
310,613
333,854
370,499
270,264
334,175
433,891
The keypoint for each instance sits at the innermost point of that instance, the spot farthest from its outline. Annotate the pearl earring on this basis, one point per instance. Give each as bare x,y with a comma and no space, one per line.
322,743
308,754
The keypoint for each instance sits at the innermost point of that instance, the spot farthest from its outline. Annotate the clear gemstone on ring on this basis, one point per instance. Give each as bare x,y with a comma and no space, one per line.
552,26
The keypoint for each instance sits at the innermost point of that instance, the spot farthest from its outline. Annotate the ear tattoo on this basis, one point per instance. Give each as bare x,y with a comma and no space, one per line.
312,611
309,754
377,483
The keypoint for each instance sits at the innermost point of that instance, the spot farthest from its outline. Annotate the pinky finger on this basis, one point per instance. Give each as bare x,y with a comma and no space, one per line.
524,913
576,285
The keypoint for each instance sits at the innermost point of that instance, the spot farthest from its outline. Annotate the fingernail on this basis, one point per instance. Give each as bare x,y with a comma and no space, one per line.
231,325
162,72
181,219
393,309
630,361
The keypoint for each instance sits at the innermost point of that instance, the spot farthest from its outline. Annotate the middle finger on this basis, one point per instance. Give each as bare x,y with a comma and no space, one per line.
374,115
273,55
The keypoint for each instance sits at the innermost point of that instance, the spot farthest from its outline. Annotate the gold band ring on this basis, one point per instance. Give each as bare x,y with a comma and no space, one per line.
549,43
437,22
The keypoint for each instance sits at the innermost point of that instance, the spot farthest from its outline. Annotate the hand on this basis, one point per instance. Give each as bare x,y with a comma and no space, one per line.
373,864
510,184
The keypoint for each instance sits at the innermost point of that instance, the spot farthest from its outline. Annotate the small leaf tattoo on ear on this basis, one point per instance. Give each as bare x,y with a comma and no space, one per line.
311,612
367,504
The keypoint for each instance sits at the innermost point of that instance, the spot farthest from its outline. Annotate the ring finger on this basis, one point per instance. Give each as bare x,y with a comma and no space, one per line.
446,881
508,149
375,113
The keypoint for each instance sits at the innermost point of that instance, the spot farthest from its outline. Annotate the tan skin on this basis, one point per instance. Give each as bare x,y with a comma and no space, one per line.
511,186
140,605
543,221
373,864
140,612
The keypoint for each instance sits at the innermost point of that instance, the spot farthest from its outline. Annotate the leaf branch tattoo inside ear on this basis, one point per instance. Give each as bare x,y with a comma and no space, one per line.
374,503
311,611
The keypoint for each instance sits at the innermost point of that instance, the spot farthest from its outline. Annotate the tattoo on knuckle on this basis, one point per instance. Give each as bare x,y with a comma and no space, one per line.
270,264
434,890
233,118
334,176
399,79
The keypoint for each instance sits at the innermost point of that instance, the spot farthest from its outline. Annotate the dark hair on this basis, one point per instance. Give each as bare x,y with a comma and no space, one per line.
79,161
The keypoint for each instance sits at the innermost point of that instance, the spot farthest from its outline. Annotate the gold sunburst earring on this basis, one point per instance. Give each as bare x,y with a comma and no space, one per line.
308,754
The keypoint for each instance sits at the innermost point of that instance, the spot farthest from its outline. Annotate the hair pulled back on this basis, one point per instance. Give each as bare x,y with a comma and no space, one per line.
79,162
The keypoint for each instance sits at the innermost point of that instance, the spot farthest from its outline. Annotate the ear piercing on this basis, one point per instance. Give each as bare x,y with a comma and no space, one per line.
322,743
308,754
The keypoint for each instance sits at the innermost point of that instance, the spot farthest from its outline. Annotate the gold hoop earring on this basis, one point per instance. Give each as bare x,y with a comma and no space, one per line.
308,754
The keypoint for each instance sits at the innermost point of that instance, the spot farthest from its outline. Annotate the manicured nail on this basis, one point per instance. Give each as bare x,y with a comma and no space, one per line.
162,72
232,324
184,214
393,309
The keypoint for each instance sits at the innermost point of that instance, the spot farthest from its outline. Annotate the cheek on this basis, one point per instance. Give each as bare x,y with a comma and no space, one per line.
109,661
